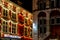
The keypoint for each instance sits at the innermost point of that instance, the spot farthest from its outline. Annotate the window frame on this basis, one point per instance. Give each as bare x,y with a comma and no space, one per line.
4,12
15,27
25,31
42,18
13,19
56,21
4,26
42,25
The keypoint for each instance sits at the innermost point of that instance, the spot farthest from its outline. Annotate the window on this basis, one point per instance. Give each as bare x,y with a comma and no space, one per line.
42,26
52,4
0,27
5,39
26,21
41,5
42,30
5,27
52,21
57,20
25,31
13,17
0,20
5,13
42,21
57,3
5,4
14,8
0,10
14,28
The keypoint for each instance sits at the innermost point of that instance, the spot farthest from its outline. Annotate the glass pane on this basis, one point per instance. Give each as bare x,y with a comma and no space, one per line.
44,21
52,4
57,20
4,28
40,29
44,29
13,28
13,17
3,23
40,22
5,12
25,31
0,20
52,21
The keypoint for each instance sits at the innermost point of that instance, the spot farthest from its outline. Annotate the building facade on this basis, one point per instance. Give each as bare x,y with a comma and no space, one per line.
15,22
46,23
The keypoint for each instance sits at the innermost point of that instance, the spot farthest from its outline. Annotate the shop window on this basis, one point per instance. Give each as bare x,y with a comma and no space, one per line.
14,28
57,20
5,39
5,13
13,17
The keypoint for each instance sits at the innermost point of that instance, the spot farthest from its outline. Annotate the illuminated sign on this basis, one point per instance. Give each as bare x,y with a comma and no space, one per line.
11,36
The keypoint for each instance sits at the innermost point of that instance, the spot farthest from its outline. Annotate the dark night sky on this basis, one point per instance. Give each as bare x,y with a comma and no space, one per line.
27,4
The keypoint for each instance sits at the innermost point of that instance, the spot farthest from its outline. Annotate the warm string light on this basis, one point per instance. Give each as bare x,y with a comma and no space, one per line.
21,16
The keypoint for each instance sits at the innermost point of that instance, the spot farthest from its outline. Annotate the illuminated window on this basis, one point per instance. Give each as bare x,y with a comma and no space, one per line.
0,20
14,28
25,31
26,21
5,27
13,17
14,8
0,27
5,4
5,13
5,39
31,33
0,9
